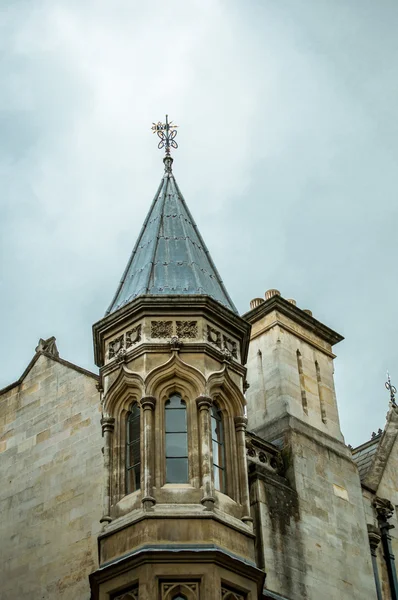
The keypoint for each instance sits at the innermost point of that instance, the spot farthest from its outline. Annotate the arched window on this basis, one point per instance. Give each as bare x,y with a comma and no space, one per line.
133,454
217,436
176,440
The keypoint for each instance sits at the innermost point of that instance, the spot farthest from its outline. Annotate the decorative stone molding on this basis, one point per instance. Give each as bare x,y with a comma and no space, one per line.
258,452
107,424
121,356
374,538
214,336
161,329
115,346
133,336
384,508
204,402
187,329
230,345
148,402
175,343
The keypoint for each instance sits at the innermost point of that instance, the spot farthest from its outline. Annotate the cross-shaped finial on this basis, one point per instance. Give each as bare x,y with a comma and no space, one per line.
392,389
166,132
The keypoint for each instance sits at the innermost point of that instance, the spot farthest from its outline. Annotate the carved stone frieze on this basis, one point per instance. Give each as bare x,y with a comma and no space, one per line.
214,336
230,345
187,329
133,336
161,329
115,346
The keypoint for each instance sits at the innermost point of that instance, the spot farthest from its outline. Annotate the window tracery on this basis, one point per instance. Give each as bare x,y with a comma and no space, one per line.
180,591
131,594
176,440
229,594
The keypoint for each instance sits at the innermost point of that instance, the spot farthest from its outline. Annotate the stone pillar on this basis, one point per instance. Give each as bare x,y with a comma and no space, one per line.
148,404
204,405
374,540
108,425
240,428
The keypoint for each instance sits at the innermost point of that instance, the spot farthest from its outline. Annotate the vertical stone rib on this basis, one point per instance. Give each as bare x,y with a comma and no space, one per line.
320,392
240,428
204,404
302,382
108,425
148,404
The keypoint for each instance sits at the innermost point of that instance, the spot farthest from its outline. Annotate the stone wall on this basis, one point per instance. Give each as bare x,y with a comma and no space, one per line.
51,474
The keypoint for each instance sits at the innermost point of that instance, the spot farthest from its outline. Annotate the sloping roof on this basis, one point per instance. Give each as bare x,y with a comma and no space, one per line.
363,455
49,349
170,256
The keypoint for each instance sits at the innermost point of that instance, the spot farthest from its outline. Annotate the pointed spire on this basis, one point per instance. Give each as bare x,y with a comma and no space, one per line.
170,256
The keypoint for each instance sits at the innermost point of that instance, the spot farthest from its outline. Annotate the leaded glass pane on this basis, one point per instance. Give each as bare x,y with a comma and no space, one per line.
176,444
177,470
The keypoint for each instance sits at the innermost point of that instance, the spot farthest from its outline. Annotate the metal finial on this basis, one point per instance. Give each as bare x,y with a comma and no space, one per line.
392,389
166,132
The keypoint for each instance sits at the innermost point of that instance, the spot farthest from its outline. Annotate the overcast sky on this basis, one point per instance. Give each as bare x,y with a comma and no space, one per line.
288,160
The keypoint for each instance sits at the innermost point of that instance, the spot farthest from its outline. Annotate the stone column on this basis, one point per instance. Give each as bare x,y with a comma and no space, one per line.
108,425
148,404
204,405
240,428
374,540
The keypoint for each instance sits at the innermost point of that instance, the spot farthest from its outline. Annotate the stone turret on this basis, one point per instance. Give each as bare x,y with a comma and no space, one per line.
171,352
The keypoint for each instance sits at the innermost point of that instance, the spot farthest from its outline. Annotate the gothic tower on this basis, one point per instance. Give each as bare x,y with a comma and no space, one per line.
292,404
171,351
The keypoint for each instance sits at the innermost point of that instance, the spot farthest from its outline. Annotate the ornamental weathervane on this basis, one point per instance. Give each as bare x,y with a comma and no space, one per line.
392,389
167,133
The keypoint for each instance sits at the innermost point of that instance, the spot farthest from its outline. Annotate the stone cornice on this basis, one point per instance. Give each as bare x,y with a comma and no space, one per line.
277,303
170,306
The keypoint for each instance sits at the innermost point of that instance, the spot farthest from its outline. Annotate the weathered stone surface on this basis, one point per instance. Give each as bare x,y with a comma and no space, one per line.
51,474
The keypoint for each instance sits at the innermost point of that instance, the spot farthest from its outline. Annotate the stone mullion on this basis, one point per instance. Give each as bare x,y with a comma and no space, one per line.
108,425
204,405
240,428
148,406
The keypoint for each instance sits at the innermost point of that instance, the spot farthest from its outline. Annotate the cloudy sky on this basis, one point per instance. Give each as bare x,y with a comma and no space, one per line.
288,160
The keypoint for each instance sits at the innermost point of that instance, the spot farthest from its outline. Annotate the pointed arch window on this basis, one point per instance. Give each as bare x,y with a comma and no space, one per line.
133,449
176,440
217,438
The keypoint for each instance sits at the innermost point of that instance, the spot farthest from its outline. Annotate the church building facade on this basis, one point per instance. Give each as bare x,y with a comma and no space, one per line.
205,461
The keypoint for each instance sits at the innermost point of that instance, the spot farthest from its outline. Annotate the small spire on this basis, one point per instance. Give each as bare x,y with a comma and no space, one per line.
167,133
392,389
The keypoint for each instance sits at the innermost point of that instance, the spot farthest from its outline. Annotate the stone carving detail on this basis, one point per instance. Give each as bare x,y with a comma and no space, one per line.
121,356
187,329
230,345
189,590
228,594
175,342
133,336
115,346
384,508
161,329
213,336
129,595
